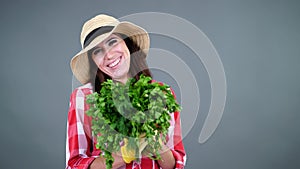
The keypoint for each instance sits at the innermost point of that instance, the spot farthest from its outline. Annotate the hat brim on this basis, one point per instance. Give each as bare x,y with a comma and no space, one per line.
80,62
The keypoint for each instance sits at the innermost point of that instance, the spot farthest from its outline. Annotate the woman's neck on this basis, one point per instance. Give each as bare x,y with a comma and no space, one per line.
123,80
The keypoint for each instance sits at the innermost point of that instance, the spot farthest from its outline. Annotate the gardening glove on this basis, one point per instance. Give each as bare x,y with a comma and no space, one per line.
129,154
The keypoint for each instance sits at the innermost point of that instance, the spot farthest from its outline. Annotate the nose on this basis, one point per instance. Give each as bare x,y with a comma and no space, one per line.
110,51
109,54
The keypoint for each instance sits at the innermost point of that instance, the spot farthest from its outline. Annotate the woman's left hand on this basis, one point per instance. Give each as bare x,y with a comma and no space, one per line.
167,160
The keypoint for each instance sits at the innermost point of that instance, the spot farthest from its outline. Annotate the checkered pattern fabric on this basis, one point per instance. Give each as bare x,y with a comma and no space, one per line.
81,145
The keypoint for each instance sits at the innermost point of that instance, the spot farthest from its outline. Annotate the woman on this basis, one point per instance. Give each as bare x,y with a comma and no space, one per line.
111,50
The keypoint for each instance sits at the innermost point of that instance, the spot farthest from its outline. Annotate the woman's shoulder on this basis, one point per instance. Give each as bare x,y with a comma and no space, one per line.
83,90
163,83
85,86
159,82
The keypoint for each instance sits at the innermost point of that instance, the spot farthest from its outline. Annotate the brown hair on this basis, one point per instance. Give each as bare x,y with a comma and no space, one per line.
138,64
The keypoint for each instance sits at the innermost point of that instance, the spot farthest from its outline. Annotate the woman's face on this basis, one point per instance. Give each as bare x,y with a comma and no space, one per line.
112,57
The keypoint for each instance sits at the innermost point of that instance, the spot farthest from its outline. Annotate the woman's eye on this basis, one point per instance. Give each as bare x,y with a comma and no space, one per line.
97,51
112,42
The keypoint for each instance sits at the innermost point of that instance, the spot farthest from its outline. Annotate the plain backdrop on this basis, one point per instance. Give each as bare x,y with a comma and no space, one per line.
258,43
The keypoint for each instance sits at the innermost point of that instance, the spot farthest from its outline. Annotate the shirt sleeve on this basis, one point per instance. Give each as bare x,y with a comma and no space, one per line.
178,148
175,139
80,150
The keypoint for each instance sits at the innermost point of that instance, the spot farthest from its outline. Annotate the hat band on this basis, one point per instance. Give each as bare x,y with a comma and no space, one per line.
96,32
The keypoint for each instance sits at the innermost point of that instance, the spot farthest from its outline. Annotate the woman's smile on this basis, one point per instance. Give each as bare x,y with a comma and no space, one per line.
115,63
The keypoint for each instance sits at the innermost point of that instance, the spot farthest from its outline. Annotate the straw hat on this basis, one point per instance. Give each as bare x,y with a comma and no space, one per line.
97,29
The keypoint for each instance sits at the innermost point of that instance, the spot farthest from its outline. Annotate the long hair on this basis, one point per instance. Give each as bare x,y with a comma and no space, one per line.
138,64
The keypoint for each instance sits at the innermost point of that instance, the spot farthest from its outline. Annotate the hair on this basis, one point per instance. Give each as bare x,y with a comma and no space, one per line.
138,64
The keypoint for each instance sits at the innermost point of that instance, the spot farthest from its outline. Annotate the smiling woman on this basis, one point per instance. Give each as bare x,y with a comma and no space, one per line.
112,57
117,51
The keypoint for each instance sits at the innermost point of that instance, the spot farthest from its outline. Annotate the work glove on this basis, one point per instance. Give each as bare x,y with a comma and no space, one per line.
129,154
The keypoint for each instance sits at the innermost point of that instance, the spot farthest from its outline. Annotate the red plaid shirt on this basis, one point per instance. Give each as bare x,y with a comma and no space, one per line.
81,146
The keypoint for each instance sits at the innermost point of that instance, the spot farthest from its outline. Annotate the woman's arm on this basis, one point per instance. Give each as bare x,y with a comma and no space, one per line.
175,142
173,153
175,139
81,152
174,157
79,148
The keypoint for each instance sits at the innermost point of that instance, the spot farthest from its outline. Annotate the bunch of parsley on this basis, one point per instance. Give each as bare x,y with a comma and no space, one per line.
131,110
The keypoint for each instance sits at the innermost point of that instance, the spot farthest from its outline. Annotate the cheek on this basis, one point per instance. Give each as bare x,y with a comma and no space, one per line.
97,61
99,64
126,51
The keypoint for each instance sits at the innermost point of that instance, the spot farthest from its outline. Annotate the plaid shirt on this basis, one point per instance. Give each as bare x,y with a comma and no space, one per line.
81,145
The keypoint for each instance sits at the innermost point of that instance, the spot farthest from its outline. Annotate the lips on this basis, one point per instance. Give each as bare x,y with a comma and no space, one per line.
114,63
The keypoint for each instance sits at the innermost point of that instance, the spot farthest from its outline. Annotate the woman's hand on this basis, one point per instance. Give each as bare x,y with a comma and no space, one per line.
167,160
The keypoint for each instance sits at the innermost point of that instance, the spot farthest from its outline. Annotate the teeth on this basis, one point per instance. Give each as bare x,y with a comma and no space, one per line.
114,63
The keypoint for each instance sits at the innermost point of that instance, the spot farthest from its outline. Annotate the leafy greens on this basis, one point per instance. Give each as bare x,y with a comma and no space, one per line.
131,110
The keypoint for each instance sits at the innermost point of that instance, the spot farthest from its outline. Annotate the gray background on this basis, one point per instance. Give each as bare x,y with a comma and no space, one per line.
258,43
